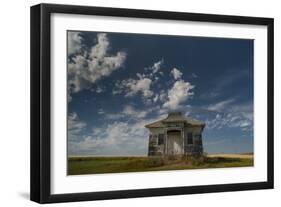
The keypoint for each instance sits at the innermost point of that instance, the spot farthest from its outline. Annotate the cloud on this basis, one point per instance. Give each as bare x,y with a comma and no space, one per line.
131,87
129,112
193,75
74,41
86,68
156,66
230,120
178,94
246,110
100,49
118,138
99,89
176,73
162,95
229,116
101,111
134,86
114,116
172,98
75,127
142,85
153,71
156,97
128,136
220,105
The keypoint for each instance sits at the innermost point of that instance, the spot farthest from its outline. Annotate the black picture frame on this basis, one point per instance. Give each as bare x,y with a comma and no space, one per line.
41,99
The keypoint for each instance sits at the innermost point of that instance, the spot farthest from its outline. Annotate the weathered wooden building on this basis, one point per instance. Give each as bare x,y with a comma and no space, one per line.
175,135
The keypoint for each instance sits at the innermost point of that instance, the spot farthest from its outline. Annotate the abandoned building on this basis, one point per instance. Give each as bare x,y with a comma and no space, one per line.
175,135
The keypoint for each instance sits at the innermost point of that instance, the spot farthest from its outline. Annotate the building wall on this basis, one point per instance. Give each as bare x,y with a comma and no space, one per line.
153,147
197,147
156,148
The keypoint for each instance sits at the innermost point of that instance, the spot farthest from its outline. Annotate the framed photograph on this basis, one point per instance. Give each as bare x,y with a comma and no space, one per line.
132,103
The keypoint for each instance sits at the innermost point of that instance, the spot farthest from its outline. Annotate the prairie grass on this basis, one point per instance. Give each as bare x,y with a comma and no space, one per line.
96,165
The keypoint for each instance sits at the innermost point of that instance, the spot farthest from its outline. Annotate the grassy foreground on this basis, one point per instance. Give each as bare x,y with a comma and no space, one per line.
94,165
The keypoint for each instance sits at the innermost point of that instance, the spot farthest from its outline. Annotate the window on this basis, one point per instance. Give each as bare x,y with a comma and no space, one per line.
161,139
155,136
152,139
189,138
200,139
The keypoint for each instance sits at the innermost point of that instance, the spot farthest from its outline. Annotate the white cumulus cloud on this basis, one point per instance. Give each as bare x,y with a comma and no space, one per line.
176,73
134,86
86,68
74,42
154,70
156,66
130,111
118,138
178,94
142,85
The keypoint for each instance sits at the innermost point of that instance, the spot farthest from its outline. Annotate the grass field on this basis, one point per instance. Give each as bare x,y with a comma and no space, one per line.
94,165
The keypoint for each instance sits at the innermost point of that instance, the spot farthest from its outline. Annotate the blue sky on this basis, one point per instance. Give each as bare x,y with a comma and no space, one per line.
119,82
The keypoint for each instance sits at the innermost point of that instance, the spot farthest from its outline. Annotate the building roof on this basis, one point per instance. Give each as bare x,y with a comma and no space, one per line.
174,117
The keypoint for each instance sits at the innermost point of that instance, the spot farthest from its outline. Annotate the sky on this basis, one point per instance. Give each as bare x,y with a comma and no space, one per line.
119,82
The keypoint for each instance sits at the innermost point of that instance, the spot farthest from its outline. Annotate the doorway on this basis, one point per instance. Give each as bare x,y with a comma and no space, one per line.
174,142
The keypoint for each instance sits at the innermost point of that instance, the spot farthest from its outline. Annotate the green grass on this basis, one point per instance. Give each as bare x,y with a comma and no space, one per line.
95,165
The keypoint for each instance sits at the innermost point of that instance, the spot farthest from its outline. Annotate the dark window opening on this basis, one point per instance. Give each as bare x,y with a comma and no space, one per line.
200,139
174,130
189,138
161,139
153,139
197,139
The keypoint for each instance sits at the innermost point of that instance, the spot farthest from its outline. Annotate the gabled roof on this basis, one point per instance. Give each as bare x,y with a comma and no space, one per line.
174,117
